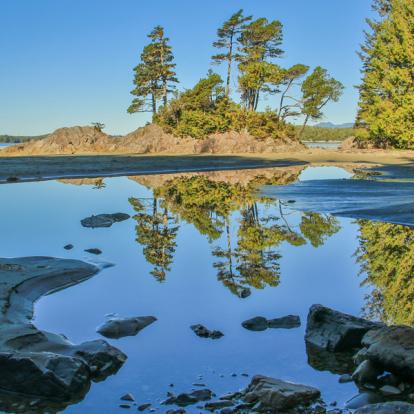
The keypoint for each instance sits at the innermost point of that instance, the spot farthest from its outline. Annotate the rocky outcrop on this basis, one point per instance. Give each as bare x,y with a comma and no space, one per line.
335,331
149,139
104,220
120,327
270,394
40,363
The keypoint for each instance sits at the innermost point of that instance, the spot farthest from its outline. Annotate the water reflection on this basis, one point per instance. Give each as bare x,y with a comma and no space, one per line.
247,259
386,255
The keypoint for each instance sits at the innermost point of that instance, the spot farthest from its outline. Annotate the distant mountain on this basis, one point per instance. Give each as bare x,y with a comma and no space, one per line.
13,139
332,125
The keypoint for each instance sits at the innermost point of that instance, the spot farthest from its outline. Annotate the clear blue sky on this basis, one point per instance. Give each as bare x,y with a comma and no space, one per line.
69,62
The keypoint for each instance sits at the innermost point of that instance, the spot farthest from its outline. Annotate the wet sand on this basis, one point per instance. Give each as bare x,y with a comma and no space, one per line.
37,168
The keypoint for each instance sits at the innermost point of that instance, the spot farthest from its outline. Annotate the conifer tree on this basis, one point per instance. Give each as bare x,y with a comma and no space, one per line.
227,36
386,105
154,77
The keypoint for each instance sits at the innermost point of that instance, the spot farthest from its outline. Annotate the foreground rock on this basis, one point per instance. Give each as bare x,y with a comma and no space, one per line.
394,407
39,363
273,394
104,220
391,348
203,332
259,323
149,139
335,331
119,327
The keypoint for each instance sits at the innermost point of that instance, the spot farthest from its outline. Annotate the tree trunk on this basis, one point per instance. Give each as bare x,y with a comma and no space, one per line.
229,62
154,104
303,126
282,98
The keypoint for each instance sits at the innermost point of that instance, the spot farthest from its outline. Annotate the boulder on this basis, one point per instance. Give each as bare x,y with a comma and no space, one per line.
49,375
104,220
275,394
119,327
394,407
203,332
336,331
258,323
367,372
189,398
392,348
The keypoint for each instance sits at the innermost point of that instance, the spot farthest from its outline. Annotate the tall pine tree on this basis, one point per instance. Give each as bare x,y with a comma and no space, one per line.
155,76
386,105
227,36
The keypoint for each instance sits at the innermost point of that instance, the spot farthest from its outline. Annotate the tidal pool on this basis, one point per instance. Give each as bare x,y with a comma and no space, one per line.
195,244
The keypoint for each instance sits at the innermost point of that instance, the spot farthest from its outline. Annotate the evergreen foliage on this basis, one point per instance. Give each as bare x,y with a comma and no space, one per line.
386,105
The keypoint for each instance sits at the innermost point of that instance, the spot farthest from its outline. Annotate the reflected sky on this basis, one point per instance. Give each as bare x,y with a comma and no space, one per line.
40,218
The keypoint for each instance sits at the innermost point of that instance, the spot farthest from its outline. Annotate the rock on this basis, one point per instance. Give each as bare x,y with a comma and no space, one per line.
274,394
217,405
178,411
104,220
258,323
203,332
93,251
335,331
285,322
143,407
392,348
389,390
345,378
127,397
119,327
367,372
39,363
68,247
44,374
124,406
362,399
395,407
189,398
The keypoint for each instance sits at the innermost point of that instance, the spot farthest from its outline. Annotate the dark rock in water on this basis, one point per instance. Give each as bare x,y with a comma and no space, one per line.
68,247
143,407
12,179
392,348
127,397
258,323
44,374
104,220
217,405
120,327
285,322
274,394
390,391
94,251
178,411
343,379
124,406
203,332
189,398
367,372
395,407
336,331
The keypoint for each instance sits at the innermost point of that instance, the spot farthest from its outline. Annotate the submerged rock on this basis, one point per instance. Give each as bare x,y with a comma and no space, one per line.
335,331
94,251
68,247
394,407
120,327
104,220
189,398
259,323
203,332
274,394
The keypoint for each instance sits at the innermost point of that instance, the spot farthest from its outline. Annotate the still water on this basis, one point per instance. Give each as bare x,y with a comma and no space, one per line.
193,243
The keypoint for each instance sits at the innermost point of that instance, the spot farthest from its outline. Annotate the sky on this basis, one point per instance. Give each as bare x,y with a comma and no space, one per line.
69,62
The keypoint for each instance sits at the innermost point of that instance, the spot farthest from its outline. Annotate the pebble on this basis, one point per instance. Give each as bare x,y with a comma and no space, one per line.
93,251
68,247
143,407
389,390
124,405
345,378
128,397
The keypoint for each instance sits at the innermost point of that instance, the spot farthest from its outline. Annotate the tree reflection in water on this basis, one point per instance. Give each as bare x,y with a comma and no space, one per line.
386,254
252,261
